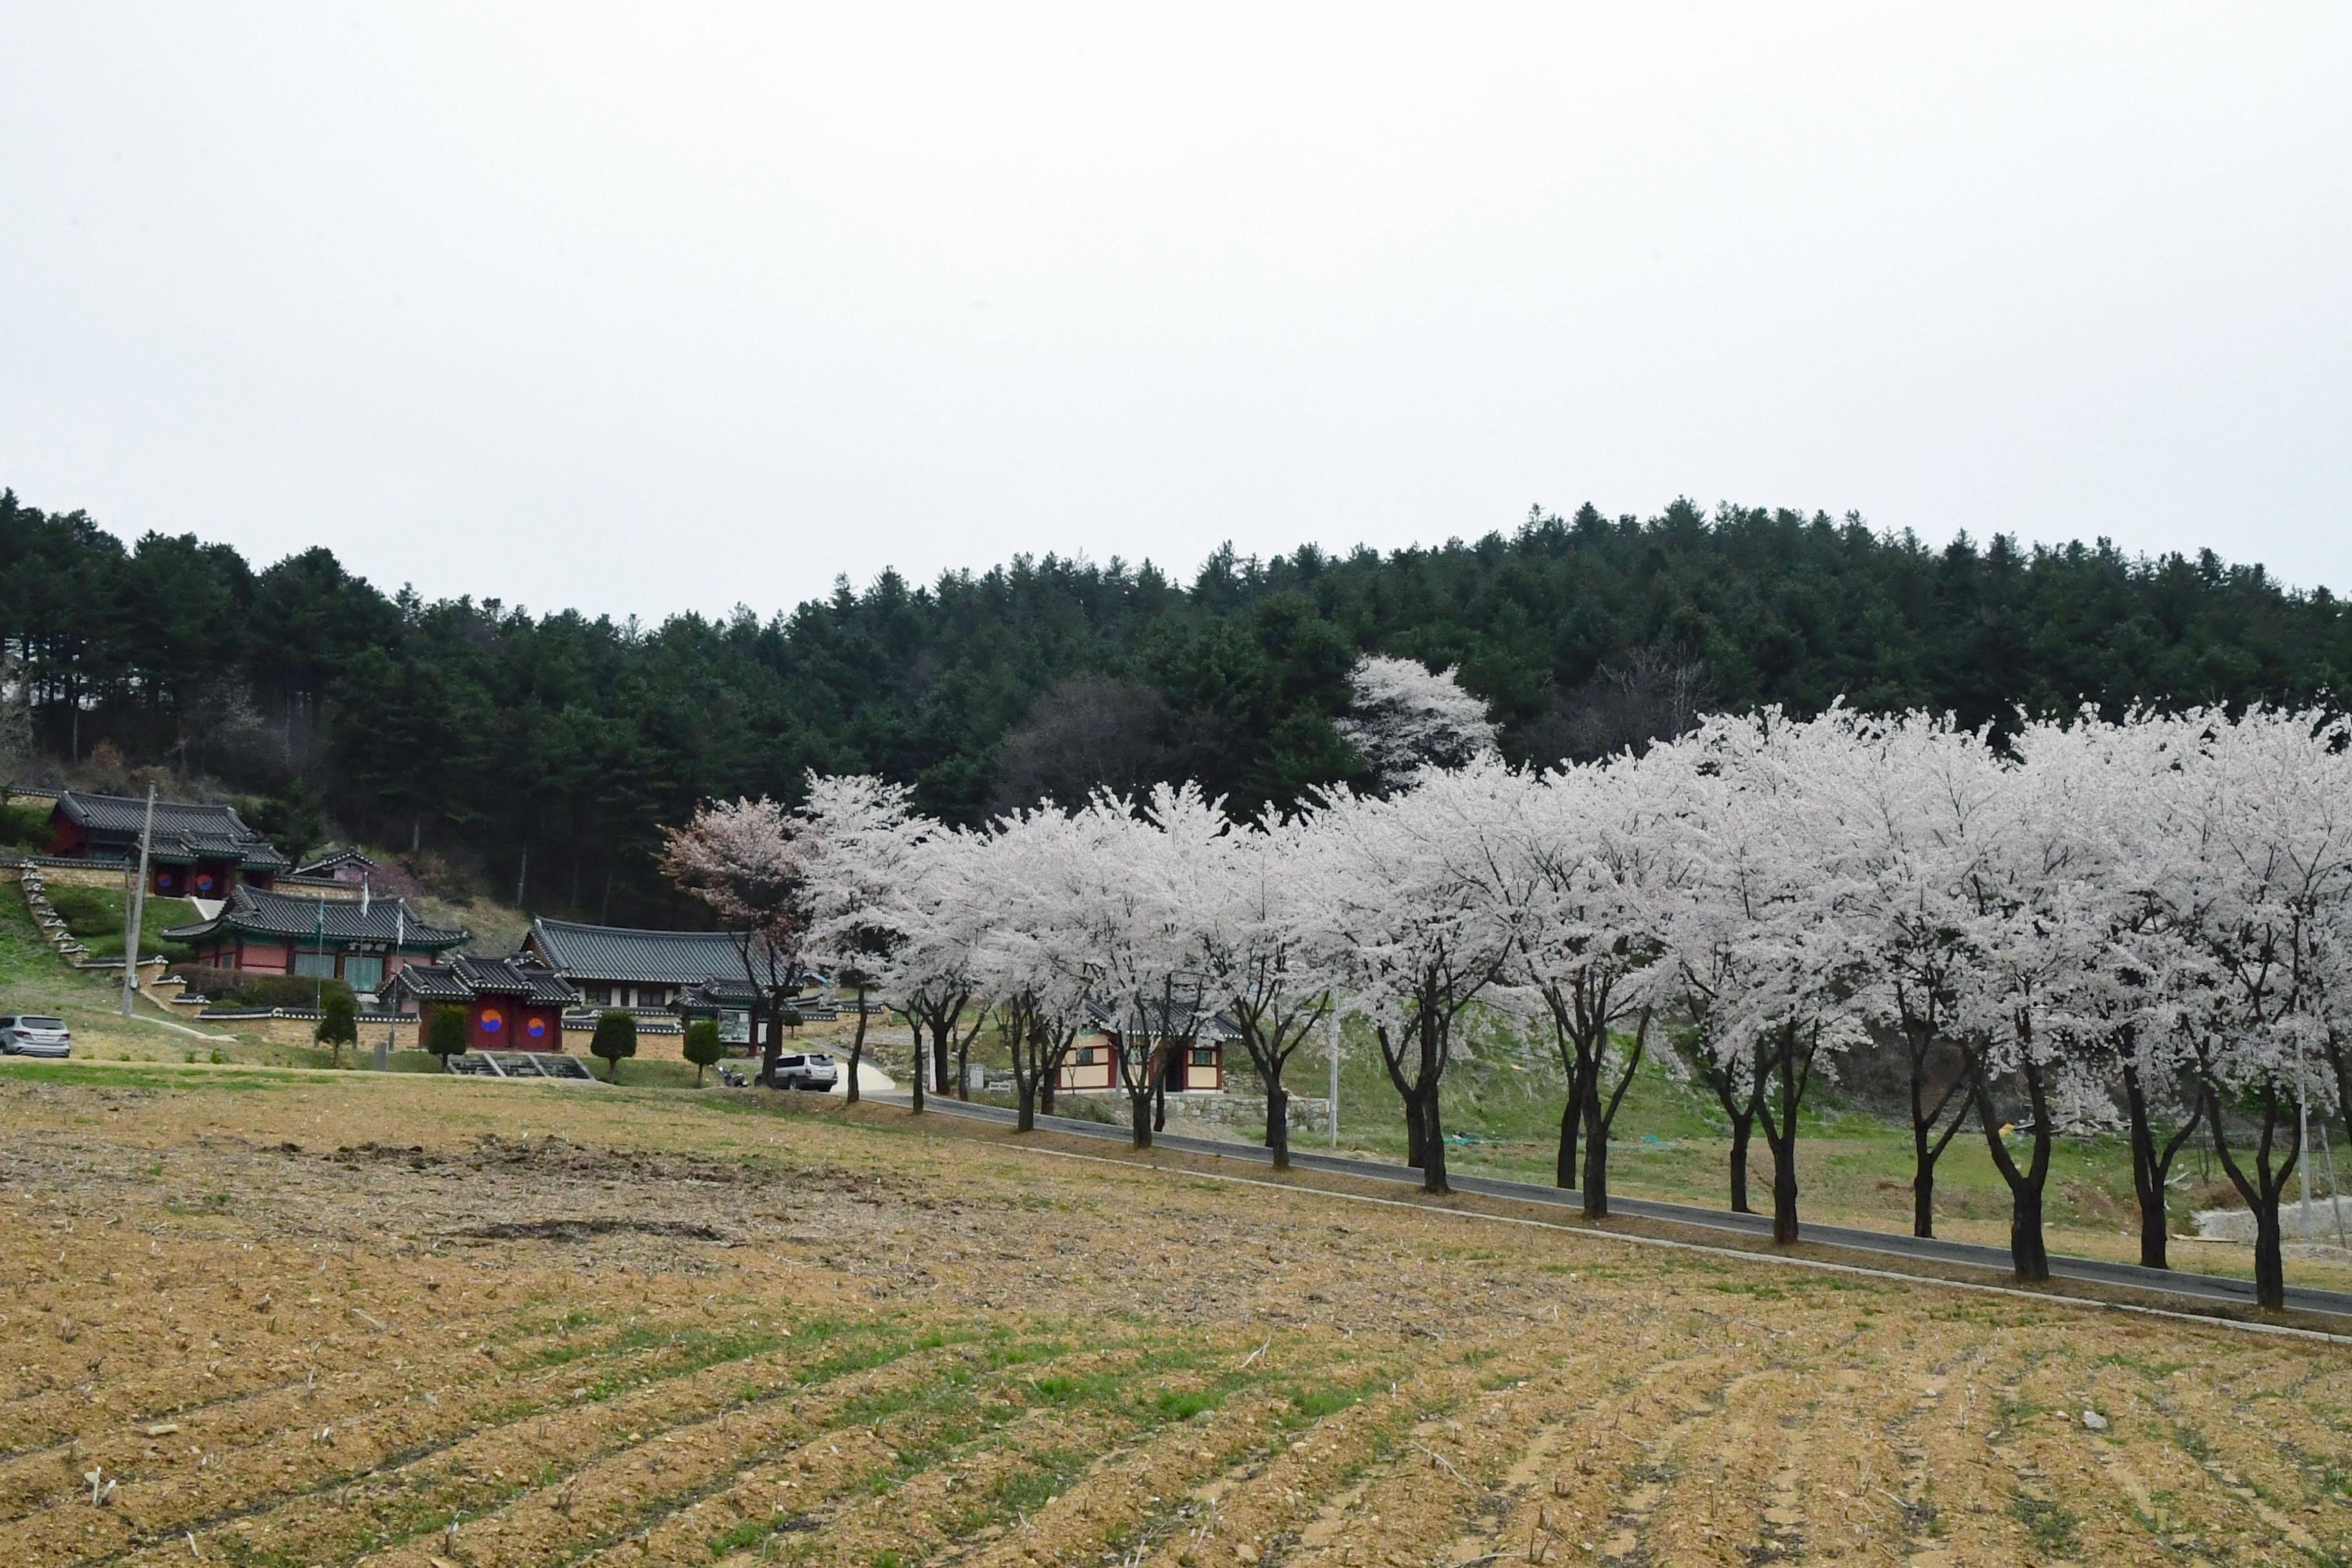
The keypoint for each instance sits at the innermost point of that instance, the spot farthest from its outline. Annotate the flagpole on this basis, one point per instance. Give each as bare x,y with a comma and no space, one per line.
138,908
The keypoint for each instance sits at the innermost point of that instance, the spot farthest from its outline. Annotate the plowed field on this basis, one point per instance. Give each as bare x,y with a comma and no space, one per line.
356,1320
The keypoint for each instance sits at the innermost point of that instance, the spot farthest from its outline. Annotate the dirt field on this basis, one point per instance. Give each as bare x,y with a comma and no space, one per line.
334,1319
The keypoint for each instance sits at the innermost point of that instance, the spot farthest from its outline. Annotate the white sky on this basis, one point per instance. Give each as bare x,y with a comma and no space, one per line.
648,309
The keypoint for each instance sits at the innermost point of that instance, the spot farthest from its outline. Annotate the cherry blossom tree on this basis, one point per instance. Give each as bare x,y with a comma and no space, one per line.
1257,937
2044,899
1594,854
1132,916
2254,883
864,840
932,978
1417,935
1030,964
1403,718
1918,794
1763,930
748,862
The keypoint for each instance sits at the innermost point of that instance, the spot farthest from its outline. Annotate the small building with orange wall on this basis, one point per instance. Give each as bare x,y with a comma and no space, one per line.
1184,1045
509,1005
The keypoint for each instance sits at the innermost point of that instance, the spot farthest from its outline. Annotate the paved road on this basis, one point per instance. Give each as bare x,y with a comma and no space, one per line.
2193,1287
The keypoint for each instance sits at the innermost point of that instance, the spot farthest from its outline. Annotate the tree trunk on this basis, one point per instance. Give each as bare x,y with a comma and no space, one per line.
2270,1259
773,1048
2147,1179
1743,1128
939,1055
918,1071
2027,1248
1784,1184
1027,1078
1596,1159
1781,1135
1277,1123
1923,1166
1138,1107
2261,1194
857,1050
1571,1122
1416,1134
1433,1144
963,1067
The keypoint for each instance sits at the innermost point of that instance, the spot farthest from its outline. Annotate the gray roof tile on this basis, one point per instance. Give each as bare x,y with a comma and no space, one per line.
618,953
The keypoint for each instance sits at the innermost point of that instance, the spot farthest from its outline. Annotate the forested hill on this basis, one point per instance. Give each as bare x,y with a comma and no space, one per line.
485,729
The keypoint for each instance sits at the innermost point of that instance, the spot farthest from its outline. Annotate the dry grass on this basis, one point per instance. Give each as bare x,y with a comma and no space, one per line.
321,1319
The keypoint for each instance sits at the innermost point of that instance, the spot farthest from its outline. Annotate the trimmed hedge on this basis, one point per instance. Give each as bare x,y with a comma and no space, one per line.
243,987
95,916
26,827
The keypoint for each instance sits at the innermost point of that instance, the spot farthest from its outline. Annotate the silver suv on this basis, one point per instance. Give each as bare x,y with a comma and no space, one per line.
812,1070
34,1035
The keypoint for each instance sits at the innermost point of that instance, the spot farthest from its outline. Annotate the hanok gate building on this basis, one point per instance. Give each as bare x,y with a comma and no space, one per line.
646,972
1185,1045
510,1004
196,851
362,943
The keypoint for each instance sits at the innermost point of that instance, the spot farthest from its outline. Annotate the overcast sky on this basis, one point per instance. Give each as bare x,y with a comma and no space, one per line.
655,307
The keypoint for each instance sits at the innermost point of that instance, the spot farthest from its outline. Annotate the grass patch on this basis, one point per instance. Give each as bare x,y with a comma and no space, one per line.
2051,1525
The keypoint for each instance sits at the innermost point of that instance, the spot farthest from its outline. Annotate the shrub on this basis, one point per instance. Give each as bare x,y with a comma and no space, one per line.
702,1046
616,1037
444,1033
246,988
25,827
338,1023
96,917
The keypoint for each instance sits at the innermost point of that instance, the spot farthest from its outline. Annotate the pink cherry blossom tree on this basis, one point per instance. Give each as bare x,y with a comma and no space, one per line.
748,861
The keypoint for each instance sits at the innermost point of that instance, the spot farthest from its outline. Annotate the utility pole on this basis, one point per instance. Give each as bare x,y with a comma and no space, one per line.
1331,1045
2303,1120
138,908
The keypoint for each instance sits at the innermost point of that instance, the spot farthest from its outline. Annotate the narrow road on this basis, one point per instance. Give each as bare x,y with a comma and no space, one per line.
2203,1288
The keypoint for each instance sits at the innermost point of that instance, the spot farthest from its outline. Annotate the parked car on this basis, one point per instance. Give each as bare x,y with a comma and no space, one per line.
812,1070
34,1035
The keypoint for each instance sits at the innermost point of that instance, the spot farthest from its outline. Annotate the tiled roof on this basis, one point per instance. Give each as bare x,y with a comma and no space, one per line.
184,830
1182,1021
335,860
618,953
706,995
464,977
260,912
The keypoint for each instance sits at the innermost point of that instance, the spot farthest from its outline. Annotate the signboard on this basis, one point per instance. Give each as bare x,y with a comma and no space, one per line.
735,1026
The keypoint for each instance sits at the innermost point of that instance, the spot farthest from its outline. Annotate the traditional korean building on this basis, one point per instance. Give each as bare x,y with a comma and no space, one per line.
510,1004
727,1002
196,851
1187,1043
363,942
618,966
346,865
